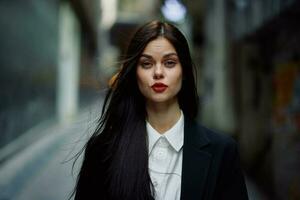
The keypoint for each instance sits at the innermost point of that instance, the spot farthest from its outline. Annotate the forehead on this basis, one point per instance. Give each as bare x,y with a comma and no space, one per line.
159,45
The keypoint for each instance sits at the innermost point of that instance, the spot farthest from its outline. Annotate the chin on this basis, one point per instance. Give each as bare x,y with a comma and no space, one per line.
161,99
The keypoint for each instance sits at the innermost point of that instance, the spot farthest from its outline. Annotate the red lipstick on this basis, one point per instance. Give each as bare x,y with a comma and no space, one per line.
159,87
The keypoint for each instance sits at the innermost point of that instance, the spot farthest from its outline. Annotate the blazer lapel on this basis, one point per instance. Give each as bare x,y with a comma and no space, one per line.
196,162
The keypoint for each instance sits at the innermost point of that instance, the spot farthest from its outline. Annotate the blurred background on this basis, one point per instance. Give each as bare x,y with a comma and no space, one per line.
57,56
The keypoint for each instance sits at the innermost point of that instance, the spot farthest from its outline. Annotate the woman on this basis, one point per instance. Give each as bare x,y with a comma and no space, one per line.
147,144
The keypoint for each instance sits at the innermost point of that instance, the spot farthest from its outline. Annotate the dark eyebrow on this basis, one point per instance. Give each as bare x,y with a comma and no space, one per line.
167,55
147,56
170,54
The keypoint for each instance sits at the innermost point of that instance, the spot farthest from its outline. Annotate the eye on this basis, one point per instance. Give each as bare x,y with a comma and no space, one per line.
170,63
146,64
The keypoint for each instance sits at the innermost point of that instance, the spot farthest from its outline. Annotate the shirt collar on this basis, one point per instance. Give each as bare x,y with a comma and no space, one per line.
174,135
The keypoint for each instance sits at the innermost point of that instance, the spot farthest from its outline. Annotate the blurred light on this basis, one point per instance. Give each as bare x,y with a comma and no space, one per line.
108,13
173,10
241,4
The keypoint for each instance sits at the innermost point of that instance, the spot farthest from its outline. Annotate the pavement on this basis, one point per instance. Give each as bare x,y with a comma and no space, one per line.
44,170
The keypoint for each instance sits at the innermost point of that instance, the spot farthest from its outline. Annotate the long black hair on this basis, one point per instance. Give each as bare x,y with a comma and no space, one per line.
115,164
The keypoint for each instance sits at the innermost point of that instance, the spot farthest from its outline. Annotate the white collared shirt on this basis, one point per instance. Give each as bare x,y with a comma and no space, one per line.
165,160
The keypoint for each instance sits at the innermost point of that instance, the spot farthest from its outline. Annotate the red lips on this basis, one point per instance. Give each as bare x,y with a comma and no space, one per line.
159,87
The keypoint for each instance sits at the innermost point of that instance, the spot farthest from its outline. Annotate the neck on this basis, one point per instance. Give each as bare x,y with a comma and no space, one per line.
162,116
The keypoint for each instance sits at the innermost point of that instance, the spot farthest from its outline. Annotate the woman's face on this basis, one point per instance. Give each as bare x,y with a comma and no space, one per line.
159,72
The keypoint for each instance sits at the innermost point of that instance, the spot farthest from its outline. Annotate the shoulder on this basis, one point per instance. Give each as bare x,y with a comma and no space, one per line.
202,136
216,137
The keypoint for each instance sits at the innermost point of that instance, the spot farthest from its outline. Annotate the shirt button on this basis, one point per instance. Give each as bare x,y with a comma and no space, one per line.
155,183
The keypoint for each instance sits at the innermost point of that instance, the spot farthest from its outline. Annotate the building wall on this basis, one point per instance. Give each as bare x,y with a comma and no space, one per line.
49,66
28,58
267,65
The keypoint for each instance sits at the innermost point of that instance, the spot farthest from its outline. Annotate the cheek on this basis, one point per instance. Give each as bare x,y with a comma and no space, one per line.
178,85
141,80
178,80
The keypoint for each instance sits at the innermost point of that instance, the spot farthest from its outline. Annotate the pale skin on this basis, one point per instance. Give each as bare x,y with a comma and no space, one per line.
159,63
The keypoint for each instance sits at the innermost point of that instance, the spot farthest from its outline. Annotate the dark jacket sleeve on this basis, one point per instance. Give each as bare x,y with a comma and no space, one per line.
231,181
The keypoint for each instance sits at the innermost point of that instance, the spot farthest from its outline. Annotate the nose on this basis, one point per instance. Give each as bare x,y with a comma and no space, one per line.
158,72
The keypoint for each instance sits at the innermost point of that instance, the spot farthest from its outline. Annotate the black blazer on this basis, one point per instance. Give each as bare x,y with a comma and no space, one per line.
211,167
